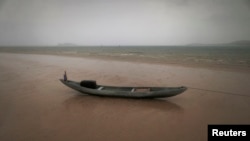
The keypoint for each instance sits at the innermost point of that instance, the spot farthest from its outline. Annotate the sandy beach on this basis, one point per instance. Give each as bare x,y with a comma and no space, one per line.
35,105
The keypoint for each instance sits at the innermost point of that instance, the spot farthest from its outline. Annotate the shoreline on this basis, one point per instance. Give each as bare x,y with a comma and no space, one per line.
220,67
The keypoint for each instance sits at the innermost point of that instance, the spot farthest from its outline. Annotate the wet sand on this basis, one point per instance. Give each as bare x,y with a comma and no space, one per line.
34,105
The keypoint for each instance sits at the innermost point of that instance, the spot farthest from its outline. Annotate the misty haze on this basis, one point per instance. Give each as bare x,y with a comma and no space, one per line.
120,22
198,49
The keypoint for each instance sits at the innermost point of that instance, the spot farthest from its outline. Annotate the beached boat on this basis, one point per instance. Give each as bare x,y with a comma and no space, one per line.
90,87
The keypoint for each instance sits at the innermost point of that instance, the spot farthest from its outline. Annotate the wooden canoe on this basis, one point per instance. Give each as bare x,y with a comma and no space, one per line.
90,87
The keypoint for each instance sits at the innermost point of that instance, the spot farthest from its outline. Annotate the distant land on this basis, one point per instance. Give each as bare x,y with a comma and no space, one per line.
235,43
66,44
242,42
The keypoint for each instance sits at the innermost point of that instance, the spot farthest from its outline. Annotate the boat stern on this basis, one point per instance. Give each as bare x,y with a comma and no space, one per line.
183,88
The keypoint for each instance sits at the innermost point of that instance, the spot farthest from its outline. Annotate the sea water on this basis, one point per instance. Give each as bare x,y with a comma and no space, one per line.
221,55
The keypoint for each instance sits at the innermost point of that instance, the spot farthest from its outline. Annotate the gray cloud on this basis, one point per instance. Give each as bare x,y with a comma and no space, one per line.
123,22
2,3
178,2
247,2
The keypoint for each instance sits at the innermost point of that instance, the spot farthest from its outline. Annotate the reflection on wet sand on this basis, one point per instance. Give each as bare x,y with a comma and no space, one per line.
91,102
140,119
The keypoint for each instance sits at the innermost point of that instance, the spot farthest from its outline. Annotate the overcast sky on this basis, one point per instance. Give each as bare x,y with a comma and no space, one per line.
123,22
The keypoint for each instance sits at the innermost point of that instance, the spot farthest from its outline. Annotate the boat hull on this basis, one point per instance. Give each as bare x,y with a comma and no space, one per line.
127,92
